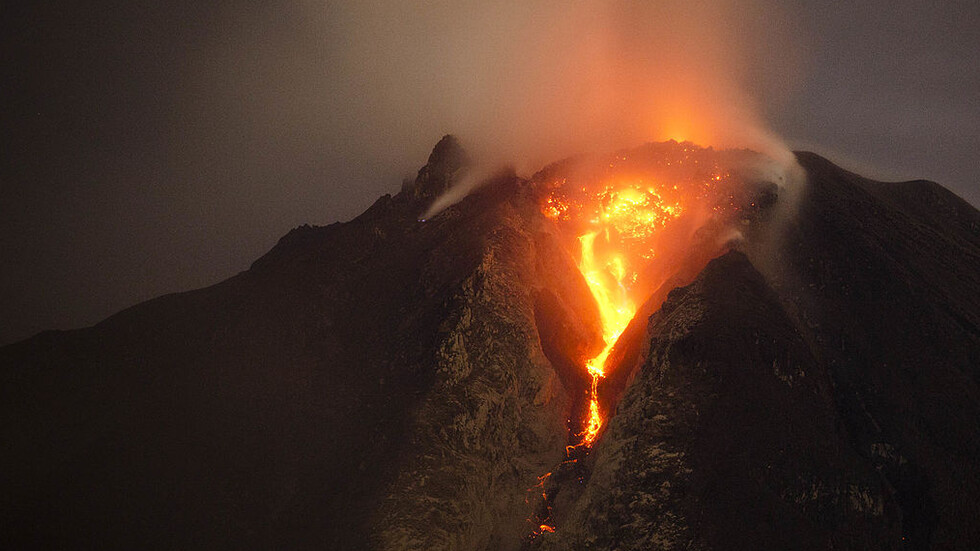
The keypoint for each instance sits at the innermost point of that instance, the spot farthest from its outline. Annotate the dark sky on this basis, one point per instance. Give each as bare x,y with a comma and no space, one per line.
150,148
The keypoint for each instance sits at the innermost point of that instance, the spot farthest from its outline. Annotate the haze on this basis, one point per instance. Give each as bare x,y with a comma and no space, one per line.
160,148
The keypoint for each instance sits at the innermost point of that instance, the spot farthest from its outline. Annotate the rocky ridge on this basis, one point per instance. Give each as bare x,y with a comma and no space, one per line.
389,383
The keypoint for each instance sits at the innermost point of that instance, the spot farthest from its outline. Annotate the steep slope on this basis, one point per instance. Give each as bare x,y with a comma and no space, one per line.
831,403
276,409
727,438
391,383
884,280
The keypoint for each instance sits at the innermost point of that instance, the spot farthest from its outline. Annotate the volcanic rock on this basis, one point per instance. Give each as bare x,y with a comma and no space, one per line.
447,159
728,438
389,383
357,375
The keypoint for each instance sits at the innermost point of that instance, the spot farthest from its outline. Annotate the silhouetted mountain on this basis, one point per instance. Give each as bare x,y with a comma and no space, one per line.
389,383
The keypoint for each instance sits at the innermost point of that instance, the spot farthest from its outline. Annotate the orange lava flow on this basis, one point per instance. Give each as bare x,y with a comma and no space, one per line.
545,524
638,220
618,223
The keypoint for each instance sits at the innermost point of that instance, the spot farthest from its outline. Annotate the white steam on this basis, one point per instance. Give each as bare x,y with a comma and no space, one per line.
463,184
525,83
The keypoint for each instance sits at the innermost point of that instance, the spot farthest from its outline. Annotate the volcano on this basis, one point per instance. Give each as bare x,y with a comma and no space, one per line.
666,347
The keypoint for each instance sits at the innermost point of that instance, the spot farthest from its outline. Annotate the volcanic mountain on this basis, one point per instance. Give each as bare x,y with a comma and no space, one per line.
667,347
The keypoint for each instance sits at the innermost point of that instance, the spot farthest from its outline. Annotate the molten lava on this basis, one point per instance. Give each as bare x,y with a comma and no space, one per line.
619,221
637,222
544,523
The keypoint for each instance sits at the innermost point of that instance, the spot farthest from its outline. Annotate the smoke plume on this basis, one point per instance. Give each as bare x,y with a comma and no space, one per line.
527,83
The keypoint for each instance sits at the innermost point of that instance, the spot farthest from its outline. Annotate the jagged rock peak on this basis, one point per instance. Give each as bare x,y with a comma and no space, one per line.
447,151
445,162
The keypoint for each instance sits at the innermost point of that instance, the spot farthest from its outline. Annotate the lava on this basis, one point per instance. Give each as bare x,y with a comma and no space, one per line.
619,220
544,523
622,215
615,311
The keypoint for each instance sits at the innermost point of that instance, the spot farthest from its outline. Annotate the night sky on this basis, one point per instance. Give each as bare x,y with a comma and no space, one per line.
161,147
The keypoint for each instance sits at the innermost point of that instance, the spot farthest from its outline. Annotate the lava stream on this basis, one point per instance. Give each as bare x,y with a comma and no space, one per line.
616,218
616,309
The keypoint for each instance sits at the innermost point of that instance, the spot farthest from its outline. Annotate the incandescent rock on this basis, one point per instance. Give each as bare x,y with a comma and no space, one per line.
389,383
728,438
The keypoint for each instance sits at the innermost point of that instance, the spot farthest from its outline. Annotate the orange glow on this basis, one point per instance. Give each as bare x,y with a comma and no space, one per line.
620,220
544,522
635,219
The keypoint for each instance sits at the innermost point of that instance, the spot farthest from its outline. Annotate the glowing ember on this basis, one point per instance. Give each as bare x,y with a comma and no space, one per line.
544,523
616,213
619,221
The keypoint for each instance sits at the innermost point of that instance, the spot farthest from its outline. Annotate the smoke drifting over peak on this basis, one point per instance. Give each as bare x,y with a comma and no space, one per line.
159,147
527,83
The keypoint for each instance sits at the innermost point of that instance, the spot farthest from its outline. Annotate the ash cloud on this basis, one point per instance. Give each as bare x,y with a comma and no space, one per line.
207,130
528,83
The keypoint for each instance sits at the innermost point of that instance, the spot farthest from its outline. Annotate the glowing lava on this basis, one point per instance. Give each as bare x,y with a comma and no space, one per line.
615,312
636,222
619,223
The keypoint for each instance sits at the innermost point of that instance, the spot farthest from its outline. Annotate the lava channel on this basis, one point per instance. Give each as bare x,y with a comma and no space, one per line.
616,218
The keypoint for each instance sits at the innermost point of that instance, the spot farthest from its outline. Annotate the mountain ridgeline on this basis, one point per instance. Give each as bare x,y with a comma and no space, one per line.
805,378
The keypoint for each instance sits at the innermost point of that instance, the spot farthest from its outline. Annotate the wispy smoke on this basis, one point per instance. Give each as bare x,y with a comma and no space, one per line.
473,177
526,83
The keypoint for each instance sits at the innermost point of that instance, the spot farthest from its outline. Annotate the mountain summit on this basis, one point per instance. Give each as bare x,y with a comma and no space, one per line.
792,368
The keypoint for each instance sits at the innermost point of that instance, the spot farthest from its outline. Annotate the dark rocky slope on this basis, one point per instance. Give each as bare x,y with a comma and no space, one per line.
727,438
883,279
394,384
355,377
